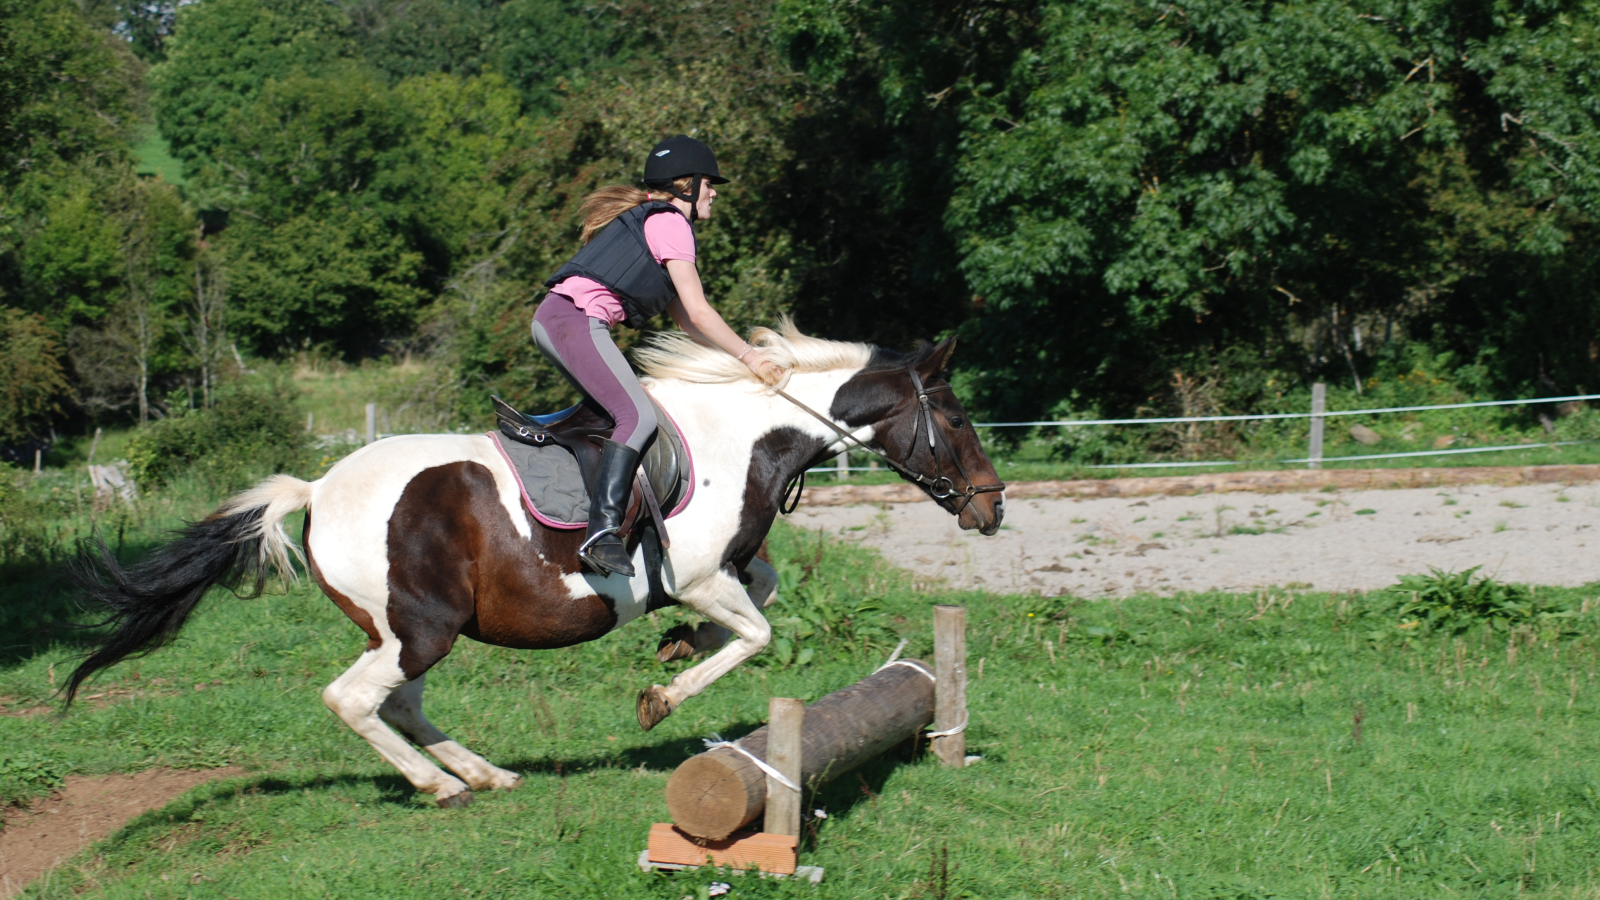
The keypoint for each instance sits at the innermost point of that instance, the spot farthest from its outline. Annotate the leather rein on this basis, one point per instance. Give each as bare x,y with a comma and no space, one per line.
940,486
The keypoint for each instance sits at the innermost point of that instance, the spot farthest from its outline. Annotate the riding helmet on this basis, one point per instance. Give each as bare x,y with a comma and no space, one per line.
678,157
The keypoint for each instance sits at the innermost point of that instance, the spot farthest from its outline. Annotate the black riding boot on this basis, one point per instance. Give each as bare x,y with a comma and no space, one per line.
603,550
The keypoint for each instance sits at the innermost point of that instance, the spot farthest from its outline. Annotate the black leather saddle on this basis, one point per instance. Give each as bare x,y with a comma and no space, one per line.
580,429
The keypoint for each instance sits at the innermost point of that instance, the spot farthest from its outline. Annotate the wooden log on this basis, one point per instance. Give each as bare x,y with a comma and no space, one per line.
950,694
785,721
718,792
777,853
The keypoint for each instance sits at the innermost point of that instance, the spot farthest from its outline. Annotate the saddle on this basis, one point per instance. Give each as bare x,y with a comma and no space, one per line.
665,480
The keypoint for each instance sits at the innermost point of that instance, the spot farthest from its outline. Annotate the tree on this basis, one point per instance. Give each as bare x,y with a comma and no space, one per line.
340,276
206,312
32,381
220,55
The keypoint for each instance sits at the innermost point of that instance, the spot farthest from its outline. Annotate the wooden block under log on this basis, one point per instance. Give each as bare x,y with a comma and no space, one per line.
776,853
718,792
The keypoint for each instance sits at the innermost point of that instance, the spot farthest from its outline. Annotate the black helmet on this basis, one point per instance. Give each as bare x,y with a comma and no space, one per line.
678,157
682,156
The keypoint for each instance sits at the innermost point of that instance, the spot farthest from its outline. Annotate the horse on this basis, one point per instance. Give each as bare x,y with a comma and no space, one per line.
420,539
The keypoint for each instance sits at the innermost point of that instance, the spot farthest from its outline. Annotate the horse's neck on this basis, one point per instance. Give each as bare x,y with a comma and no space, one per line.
733,425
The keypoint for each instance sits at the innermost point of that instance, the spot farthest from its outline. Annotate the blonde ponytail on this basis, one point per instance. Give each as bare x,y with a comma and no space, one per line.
605,204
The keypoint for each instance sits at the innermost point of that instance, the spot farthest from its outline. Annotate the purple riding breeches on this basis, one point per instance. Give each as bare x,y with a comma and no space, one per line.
581,347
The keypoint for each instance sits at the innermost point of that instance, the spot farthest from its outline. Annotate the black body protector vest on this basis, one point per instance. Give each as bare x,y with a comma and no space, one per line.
619,258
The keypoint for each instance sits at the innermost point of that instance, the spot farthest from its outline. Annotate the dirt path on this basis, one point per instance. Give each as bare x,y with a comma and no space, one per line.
1331,540
84,811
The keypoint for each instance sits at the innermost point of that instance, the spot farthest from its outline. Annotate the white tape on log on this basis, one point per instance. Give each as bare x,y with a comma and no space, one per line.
760,763
908,664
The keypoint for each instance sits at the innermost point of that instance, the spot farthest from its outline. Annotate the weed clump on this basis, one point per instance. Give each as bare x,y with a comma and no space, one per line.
1455,602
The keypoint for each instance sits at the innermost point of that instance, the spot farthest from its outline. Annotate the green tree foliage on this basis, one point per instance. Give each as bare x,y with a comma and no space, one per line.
1145,185
64,88
32,382
341,276
221,54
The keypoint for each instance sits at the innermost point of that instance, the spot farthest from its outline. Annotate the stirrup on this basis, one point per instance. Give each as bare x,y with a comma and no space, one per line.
598,565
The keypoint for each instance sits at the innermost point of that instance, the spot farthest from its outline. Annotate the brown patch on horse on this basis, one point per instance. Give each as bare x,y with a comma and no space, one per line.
458,566
361,617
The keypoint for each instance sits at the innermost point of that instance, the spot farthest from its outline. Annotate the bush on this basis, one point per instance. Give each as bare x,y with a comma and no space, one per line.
26,532
252,431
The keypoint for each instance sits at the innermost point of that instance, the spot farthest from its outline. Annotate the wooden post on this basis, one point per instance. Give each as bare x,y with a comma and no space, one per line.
1319,405
950,688
37,458
844,465
311,419
785,718
372,422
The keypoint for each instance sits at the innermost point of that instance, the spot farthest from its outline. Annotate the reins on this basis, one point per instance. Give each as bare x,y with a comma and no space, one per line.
940,486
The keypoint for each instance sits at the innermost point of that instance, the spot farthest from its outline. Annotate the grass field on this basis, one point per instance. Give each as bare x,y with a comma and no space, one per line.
1286,744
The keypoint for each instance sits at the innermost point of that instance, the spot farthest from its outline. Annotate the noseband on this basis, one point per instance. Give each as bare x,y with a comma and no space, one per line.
940,486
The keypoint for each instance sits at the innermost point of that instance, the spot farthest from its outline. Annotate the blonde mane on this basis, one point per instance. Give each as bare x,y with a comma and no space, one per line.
674,354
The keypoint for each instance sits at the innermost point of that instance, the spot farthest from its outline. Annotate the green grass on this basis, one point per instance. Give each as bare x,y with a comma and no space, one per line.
153,157
1199,746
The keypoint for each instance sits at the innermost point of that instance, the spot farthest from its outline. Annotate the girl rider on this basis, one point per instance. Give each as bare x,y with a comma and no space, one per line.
638,260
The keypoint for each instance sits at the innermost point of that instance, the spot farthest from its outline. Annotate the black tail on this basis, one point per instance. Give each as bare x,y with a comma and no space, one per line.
148,602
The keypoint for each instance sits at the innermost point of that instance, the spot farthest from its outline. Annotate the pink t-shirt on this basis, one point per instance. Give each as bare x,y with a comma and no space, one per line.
668,236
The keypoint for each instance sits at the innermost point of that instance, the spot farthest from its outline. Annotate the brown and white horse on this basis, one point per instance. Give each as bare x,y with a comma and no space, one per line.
423,538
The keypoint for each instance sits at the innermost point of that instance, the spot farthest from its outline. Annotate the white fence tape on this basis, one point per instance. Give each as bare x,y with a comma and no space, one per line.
1168,420
1259,462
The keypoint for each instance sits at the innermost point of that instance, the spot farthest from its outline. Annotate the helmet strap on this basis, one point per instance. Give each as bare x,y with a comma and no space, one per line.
692,198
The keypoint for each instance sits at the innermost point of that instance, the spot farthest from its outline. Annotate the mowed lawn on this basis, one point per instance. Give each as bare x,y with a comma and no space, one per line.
1225,746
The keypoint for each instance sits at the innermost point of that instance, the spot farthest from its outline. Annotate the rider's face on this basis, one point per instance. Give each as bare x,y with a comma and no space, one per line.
707,194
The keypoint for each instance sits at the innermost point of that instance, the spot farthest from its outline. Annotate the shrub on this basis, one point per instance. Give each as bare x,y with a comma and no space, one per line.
252,431
26,533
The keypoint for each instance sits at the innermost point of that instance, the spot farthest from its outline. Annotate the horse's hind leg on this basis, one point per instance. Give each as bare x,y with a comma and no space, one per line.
358,694
403,710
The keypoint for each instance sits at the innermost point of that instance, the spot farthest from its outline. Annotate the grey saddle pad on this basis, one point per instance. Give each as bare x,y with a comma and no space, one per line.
552,482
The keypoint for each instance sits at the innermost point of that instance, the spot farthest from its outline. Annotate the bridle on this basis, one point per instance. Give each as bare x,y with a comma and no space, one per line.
940,486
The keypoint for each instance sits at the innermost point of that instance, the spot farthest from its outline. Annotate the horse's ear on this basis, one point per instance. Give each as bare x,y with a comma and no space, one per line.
938,359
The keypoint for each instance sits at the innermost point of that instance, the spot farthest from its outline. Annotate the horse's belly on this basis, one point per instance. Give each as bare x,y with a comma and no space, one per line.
526,600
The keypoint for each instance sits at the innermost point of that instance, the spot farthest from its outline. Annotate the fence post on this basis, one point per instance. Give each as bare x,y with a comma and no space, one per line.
372,422
1319,405
950,684
785,719
844,465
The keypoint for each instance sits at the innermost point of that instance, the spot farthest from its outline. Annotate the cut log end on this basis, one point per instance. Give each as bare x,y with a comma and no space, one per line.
709,797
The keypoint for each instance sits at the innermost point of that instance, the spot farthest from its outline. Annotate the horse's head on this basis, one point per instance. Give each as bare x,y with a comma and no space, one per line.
921,428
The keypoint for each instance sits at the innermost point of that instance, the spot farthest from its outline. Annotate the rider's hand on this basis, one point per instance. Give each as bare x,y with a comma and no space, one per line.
770,373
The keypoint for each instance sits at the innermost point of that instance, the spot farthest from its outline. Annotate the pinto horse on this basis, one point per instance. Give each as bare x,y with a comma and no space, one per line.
422,538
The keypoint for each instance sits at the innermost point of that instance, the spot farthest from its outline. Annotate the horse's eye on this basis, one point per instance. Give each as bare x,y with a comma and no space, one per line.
957,422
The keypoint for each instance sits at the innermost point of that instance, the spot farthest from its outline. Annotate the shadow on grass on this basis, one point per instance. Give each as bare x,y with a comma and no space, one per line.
40,609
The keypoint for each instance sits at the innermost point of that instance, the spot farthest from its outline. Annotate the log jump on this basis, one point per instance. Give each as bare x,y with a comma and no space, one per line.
715,794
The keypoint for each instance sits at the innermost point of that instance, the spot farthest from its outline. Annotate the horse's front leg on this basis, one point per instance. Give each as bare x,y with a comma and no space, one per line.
684,641
723,600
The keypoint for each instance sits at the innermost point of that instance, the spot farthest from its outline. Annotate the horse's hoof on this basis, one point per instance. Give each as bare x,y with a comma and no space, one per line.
456,801
677,643
653,706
